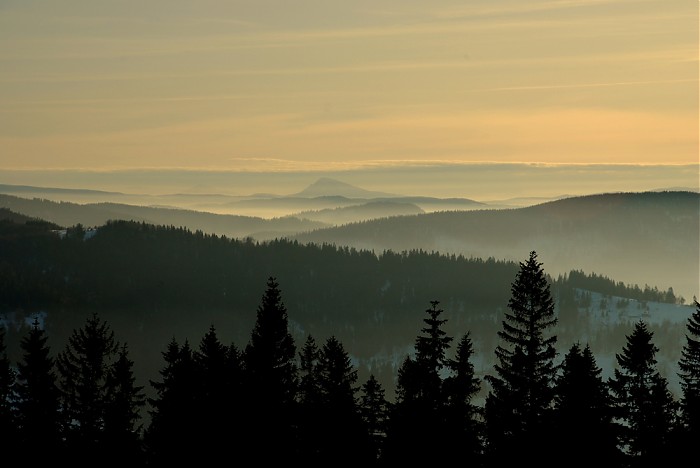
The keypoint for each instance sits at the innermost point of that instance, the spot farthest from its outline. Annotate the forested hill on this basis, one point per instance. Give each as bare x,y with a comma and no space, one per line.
97,214
157,282
644,238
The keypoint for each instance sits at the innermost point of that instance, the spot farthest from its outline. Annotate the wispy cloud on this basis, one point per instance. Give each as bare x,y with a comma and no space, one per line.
598,59
72,44
589,85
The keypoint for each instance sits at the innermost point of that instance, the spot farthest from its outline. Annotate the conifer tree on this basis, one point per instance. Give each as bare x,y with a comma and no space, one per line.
374,409
687,428
310,401
8,427
218,395
689,365
309,385
270,376
418,415
463,417
39,418
583,422
122,440
170,435
642,403
431,351
83,368
518,406
341,420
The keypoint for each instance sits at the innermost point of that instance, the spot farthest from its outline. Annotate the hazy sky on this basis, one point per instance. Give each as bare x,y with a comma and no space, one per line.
325,84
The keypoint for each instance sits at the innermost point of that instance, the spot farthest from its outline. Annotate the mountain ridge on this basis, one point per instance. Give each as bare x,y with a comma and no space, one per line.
327,186
641,237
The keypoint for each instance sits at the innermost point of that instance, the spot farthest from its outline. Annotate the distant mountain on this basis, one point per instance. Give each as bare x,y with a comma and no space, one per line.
323,194
326,186
643,238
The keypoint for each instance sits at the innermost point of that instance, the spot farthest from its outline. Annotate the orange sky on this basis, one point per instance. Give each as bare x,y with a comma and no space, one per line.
237,84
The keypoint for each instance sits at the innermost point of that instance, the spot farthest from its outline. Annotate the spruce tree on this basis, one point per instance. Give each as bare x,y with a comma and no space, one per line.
583,422
8,427
309,385
39,418
310,401
689,365
643,404
340,420
518,406
270,376
122,439
171,433
687,429
463,417
374,409
218,395
83,368
418,416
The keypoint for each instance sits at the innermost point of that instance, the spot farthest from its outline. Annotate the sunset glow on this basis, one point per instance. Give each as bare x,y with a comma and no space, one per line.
223,85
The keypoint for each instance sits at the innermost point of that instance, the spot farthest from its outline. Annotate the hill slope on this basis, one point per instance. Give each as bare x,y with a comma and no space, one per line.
95,214
643,238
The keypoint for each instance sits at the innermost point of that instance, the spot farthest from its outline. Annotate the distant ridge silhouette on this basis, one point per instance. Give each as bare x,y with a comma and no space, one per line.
327,187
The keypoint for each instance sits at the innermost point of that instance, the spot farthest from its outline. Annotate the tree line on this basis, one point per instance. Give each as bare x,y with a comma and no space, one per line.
272,401
153,281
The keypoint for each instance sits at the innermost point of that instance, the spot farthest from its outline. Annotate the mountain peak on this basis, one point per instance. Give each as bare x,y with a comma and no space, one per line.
327,187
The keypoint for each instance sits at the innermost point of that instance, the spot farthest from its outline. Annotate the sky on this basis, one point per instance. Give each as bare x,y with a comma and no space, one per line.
323,85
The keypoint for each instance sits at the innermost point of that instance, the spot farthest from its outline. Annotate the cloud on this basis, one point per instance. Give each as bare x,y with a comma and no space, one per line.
590,85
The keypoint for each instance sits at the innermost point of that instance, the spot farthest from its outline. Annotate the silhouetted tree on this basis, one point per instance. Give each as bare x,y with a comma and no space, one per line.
170,435
271,379
417,418
689,365
583,424
464,425
218,397
310,401
643,405
518,406
341,421
374,409
83,368
39,418
122,439
8,427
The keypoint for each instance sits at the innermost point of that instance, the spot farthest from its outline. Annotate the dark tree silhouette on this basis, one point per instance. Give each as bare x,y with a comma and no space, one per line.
340,419
271,381
83,367
689,365
417,418
464,419
583,423
39,419
310,401
174,420
8,428
643,405
218,397
374,409
518,406
122,439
